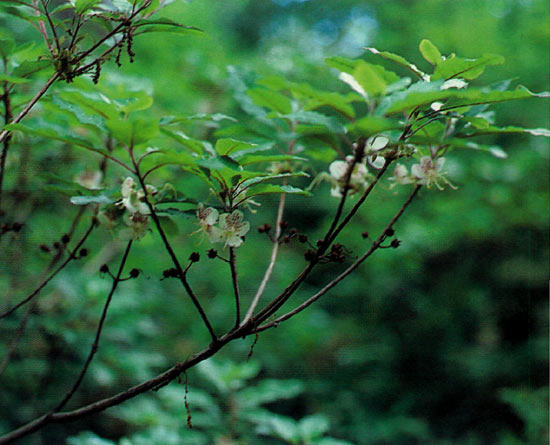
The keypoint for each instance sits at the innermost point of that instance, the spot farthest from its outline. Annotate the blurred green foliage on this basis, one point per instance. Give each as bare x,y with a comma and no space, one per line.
444,340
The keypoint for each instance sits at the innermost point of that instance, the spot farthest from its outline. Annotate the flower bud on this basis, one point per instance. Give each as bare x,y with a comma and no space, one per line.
194,257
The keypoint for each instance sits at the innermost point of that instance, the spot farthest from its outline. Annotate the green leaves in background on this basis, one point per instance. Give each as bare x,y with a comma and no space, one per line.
132,132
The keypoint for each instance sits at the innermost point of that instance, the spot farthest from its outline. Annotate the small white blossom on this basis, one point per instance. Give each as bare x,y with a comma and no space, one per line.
401,175
430,172
233,228
338,171
207,218
436,106
133,199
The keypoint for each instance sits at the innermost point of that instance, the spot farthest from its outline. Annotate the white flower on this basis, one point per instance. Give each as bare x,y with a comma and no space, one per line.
133,200
233,228
338,171
454,83
436,106
401,175
207,218
429,172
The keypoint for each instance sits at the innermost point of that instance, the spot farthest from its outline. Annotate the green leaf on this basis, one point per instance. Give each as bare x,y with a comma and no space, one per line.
430,52
84,200
133,101
133,132
7,46
465,68
312,117
82,6
267,189
165,25
194,145
227,146
372,125
312,427
12,79
370,79
94,103
50,133
78,113
245,160
270,99
219,163
507,130
284,428
214,117
268,391
258,179
400,61
29,67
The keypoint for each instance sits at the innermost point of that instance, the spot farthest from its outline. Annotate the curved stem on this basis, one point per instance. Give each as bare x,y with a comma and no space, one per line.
272,261
95,345
171,253
235,280
4,134
70,257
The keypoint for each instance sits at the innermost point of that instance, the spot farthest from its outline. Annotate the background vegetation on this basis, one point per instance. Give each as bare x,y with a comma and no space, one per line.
444,340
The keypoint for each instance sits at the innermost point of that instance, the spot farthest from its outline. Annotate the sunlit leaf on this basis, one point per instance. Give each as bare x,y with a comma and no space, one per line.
430,52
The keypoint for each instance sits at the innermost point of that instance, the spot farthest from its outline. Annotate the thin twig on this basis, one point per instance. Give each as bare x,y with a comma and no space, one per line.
272,260
95,345
171,253
52,27
344,274
16,339
235,280
6,144
70,257
4,134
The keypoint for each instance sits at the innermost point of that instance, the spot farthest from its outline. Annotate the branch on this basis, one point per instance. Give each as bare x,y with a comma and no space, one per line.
171,253
4,134
52,27
272,260
6,145
54,273
344,274
16,339
235,279
95,345
155,383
